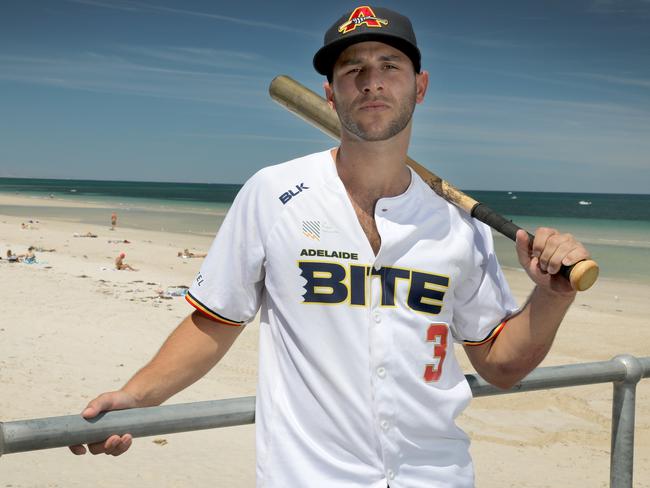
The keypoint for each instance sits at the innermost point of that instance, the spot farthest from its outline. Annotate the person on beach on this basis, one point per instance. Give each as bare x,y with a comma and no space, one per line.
186,253
30,256
11,257
113,221
120,265
44,249
364,280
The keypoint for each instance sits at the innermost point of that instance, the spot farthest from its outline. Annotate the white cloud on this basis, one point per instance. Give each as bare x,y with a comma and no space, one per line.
585,135
621,7
145,7
619,80
258,137
97,72
112,5
205,57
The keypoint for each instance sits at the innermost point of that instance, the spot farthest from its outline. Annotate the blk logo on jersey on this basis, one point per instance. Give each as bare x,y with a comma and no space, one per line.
293,192
331,283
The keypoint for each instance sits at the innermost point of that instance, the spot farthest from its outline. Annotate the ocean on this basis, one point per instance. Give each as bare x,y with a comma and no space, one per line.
615,227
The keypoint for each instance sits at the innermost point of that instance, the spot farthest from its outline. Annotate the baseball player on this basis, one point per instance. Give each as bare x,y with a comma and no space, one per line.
364,280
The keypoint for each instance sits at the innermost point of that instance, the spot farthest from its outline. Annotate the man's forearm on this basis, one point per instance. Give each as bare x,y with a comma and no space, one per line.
189,352
529,335
526,338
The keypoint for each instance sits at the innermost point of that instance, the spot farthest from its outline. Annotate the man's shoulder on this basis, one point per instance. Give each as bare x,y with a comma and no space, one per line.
313,165
455,214
272,187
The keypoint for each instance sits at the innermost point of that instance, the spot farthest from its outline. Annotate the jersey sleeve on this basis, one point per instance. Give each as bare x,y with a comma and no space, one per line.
483,301
229,285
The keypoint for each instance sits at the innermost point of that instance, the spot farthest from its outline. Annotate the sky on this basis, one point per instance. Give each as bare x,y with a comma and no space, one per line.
539,95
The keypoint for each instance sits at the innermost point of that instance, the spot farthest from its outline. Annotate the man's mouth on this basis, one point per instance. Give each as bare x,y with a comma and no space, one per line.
373,106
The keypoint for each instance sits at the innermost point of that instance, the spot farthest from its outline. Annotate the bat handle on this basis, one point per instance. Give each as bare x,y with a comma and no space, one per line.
582,275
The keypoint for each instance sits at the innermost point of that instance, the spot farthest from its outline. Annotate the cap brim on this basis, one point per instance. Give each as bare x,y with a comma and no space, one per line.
326,57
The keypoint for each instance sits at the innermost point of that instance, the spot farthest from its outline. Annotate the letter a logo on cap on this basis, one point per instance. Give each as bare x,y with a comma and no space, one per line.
360,16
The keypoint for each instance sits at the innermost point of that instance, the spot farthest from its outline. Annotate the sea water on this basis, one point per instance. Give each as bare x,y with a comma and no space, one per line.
169,207
615,227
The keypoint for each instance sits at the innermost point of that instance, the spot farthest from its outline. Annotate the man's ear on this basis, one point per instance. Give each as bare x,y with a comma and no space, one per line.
329,94
421,84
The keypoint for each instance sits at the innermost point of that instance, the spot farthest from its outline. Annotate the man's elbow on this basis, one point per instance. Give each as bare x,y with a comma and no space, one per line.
503,382
506,376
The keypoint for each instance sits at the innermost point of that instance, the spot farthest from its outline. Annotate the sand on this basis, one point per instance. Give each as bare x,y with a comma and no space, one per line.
72,327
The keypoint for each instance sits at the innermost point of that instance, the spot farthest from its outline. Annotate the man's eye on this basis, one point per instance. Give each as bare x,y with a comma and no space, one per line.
354,70
390,66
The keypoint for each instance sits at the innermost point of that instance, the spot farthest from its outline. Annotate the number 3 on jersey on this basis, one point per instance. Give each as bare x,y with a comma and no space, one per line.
436,333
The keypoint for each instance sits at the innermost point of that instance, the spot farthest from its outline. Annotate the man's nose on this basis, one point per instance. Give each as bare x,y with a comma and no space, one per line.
371,80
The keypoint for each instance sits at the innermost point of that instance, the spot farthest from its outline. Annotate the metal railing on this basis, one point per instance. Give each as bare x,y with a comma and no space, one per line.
623,371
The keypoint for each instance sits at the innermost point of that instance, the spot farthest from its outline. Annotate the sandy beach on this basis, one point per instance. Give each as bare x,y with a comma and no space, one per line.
71,326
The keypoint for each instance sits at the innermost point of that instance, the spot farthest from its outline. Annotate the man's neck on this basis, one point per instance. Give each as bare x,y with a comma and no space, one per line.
370,171
376,169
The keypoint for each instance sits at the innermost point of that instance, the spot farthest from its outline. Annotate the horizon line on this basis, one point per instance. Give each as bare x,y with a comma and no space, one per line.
468,190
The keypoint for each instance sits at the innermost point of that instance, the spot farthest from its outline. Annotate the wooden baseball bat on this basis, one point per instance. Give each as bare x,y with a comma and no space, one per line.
314,109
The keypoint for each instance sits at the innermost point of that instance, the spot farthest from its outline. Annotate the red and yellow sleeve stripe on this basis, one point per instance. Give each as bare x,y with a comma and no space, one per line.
206,312
491,336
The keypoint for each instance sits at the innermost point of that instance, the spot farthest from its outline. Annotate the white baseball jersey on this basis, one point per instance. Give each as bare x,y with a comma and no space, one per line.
358,382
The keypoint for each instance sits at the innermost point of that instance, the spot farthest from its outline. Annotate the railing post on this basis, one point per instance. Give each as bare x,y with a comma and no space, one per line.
623,407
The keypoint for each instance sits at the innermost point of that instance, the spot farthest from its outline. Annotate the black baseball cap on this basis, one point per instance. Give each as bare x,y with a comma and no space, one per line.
362,24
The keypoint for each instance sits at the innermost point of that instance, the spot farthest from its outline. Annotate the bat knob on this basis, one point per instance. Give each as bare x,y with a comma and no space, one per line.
583,274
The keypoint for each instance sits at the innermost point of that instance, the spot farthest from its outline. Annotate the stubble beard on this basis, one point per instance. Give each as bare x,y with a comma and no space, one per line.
391,129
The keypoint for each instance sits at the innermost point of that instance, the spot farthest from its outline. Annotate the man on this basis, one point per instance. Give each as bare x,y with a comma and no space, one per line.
120,265
365,279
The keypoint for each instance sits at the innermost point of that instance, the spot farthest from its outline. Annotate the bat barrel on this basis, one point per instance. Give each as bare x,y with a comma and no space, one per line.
306,104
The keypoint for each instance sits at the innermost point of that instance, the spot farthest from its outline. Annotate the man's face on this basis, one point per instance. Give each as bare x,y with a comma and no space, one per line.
374,90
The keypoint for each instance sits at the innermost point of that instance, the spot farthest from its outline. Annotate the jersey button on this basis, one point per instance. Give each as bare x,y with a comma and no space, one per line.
390,474
377,317
381,372
384,424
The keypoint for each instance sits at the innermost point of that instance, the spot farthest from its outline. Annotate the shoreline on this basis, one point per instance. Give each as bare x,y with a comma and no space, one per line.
110,203
197,220
623,252
72,327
